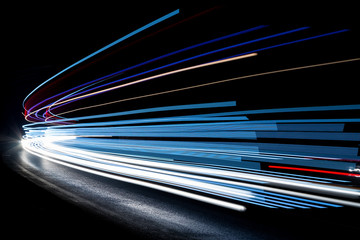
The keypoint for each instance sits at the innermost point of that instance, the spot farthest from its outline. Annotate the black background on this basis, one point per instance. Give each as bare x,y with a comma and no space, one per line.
40,40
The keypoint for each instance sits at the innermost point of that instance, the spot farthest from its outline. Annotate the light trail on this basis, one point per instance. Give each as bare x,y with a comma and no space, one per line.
147,79
218,50
215,82
59,102
197,56
163,18
209,150
86,85
148,110
316,171
204,166
157,76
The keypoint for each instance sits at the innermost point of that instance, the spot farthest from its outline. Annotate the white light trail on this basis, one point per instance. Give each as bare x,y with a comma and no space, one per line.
221,183
206,147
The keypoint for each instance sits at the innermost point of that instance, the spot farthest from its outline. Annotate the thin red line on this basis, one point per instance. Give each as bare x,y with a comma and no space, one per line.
315,170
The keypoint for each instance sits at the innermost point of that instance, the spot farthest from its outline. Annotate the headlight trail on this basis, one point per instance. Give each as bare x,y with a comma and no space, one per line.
182,135
212,168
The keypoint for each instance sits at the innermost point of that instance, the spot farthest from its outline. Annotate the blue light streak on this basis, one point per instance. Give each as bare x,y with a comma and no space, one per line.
89,84
213,151
211,52
190,58
148,110
163,18
295,41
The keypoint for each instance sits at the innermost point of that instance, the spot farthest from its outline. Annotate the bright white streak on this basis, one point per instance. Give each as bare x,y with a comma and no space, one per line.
27,146
217,172
36,146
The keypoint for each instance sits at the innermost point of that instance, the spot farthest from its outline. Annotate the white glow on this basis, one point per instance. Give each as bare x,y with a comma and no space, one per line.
202,179
28,147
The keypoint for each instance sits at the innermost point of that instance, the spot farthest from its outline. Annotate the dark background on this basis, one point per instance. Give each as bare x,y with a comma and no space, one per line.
40,40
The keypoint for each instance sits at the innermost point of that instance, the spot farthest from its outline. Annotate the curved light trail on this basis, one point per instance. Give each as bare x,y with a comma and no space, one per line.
211,151
169,15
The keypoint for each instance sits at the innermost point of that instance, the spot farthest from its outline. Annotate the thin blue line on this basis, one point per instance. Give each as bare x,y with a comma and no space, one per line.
147,110
287,43
106,47
184,60
141,64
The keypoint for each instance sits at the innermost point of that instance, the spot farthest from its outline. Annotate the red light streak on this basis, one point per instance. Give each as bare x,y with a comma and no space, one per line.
315,170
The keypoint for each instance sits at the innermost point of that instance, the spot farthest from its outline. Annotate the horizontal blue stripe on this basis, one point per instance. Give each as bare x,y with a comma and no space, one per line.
311,135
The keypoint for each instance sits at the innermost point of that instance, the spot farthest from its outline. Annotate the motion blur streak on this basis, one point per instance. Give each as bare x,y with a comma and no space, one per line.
211,83
157,76
138,65
192,130
315,170
107,46
222,170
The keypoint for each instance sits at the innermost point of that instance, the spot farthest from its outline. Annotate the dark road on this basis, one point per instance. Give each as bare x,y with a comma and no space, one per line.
80,204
